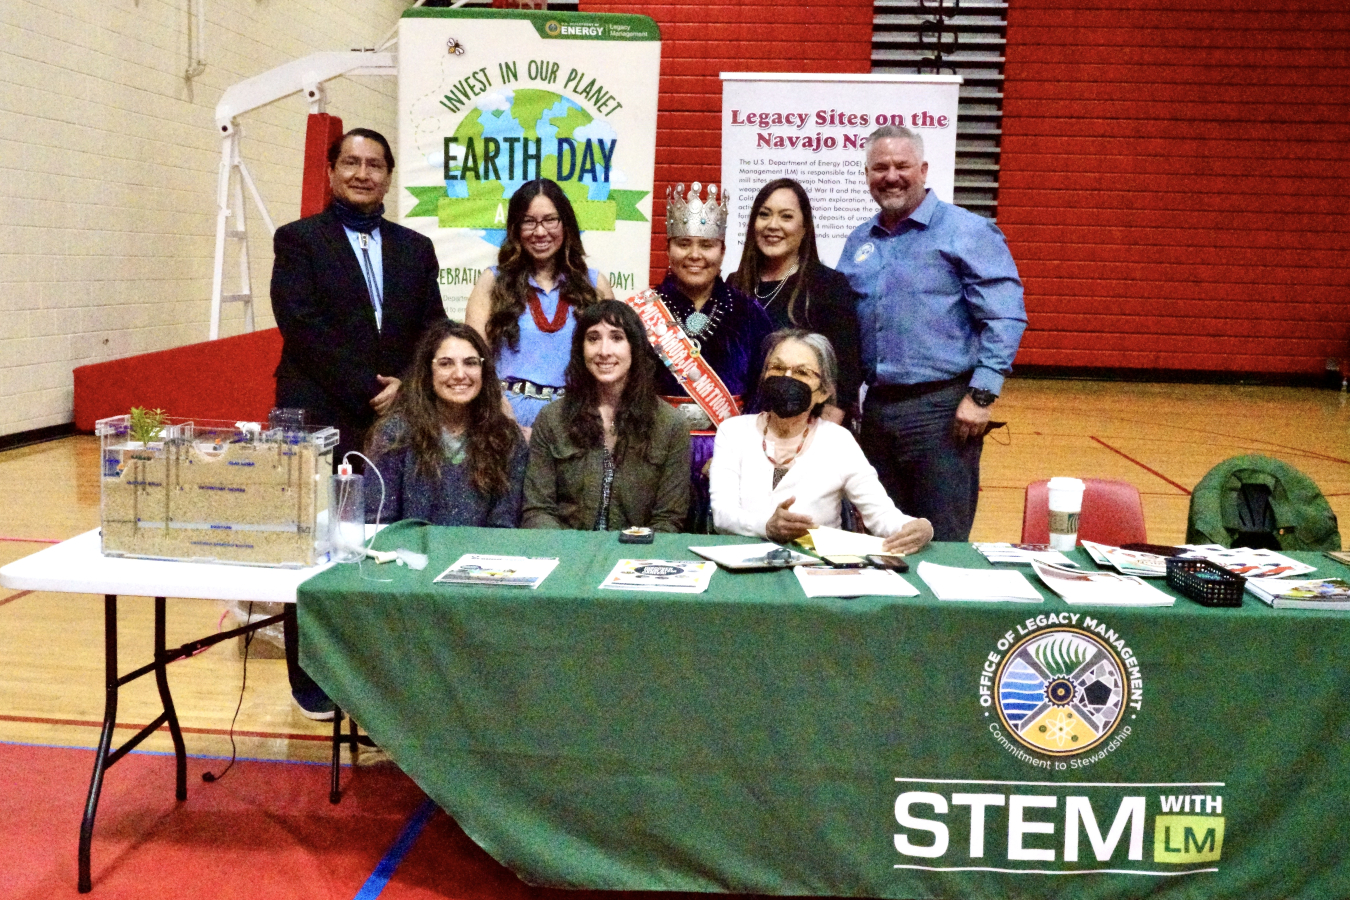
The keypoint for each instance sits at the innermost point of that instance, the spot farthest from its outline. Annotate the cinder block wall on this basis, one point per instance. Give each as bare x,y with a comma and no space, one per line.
108,161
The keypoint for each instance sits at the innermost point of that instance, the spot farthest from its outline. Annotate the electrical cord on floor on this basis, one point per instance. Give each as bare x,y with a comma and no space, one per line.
209,776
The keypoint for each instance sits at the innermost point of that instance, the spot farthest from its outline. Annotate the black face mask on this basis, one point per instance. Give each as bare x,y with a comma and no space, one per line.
784,397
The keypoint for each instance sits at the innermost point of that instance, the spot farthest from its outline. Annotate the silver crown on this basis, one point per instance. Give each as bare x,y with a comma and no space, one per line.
695,217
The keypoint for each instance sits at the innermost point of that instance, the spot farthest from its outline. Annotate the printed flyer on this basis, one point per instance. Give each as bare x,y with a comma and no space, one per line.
814,128
490,99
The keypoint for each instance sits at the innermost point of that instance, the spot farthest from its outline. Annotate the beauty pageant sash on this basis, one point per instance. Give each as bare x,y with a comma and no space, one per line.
681,356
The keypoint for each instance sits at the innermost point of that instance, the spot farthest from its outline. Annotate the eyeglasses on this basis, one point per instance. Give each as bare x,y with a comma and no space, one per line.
550,223
801,373
351,164
449,364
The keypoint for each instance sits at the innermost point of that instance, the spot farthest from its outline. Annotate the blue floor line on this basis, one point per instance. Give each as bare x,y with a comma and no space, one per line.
386,867
289,762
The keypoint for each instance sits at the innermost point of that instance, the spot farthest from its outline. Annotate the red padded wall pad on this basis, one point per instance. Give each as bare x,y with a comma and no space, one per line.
320,132
226,379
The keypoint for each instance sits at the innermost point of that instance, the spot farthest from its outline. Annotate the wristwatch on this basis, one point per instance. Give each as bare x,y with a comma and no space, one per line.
982,397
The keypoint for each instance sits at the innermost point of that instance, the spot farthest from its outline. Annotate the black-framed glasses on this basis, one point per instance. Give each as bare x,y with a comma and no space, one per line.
550,223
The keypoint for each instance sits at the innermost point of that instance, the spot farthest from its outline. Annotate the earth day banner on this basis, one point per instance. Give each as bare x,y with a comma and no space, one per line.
490,99
814,128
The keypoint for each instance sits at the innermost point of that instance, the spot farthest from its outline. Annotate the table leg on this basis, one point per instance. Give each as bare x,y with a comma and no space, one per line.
162,682
110,683
335,785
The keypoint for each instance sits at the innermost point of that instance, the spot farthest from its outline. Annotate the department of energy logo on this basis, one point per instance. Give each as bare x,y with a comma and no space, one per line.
553,28
1062,691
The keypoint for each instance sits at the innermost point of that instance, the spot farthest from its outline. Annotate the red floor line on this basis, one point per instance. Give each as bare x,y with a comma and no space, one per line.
12,597
28,540
89,723
1184,490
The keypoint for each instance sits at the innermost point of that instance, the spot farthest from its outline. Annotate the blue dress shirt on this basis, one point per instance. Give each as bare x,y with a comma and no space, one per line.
374,273
940,296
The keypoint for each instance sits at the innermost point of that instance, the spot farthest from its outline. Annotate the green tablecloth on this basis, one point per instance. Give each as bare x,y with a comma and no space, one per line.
748,739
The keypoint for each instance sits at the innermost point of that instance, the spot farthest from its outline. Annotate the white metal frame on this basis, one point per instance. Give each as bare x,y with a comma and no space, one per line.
307,75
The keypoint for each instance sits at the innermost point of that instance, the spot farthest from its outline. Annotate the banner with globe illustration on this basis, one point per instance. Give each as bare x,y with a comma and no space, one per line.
490,99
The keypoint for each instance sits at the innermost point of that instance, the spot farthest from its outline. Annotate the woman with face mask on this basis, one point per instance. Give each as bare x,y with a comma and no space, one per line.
609,455
781,472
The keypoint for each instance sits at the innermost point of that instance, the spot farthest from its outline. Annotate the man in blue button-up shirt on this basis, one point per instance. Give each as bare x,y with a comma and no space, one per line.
941,315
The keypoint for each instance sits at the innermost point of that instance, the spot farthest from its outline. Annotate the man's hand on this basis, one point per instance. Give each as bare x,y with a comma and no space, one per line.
385,398
914,535
971,420
784,526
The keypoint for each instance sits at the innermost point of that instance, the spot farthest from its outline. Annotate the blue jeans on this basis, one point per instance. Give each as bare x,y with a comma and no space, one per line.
927,471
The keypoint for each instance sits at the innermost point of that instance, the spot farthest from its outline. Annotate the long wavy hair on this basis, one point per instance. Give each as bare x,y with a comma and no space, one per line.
636,416
746,276
491,437
515,265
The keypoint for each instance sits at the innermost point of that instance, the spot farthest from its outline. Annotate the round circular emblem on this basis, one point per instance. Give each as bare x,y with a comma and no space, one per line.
553,28
864,252
1060,691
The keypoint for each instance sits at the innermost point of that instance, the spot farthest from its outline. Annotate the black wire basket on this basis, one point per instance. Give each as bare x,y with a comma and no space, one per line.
1205,582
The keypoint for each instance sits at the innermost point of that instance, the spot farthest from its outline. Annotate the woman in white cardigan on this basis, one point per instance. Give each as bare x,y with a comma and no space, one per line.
779,473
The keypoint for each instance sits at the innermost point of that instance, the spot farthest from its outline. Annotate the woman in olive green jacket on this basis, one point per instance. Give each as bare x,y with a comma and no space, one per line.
610,454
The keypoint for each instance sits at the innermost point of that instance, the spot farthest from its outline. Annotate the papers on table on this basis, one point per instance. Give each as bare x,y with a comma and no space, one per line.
1099,588
1022,554
1127,562
509,571
1315,593
818,581
837,542
1251,563
752,556
952,583
677,576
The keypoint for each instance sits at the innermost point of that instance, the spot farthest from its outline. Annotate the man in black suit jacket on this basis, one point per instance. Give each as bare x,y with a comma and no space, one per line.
352,294
330,273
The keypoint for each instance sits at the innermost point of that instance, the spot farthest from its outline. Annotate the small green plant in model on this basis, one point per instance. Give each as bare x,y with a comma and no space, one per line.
147,424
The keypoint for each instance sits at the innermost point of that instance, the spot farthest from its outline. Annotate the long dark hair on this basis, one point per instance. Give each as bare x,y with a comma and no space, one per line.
515,265
636,415
491,437
746,276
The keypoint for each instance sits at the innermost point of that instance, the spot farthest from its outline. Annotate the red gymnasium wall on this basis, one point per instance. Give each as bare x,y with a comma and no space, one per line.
699,40
1174,184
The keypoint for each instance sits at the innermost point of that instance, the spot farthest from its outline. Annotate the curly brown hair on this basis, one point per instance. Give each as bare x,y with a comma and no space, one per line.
491,437
515,265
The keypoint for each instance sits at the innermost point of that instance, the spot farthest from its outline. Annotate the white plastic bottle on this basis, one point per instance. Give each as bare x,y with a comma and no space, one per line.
346,514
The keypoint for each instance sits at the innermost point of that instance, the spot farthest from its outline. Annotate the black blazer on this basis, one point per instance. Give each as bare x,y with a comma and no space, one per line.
331,349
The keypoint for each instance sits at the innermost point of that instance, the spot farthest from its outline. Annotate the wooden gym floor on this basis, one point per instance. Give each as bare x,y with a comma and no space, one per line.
1161,438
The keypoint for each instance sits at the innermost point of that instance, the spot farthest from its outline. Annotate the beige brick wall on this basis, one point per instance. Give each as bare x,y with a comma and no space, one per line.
108,164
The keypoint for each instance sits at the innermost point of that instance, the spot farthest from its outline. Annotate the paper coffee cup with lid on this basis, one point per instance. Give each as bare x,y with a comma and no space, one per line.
1065,496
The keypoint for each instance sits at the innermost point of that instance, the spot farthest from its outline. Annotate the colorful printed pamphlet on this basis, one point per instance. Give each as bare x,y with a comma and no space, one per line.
508,571
1127,562
1316,593
679,576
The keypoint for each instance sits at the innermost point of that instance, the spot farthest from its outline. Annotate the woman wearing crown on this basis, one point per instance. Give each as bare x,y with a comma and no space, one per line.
724,329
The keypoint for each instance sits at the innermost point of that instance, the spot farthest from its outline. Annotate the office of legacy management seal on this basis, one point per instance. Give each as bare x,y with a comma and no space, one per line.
1062,691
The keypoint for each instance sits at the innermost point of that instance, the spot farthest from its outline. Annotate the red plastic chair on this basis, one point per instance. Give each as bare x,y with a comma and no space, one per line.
1112,513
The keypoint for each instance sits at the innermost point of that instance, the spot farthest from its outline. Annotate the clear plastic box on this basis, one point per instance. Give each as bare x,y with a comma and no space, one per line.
216,492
